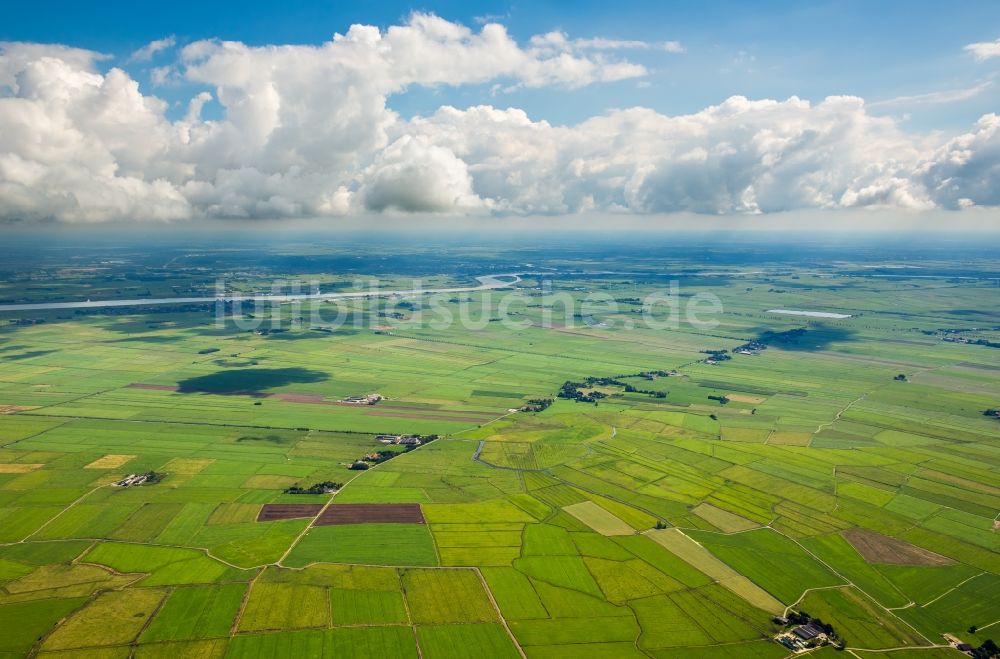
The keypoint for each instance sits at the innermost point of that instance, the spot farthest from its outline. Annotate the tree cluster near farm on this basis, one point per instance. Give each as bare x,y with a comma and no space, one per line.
710,498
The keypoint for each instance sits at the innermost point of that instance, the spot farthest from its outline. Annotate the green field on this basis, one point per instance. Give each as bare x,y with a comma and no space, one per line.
634,525
196,612
446,596
375,544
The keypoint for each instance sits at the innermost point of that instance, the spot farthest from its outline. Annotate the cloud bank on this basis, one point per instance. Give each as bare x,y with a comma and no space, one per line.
307,131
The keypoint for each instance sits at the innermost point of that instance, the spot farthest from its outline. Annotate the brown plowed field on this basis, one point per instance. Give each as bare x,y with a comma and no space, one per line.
371,513
878,548
271,512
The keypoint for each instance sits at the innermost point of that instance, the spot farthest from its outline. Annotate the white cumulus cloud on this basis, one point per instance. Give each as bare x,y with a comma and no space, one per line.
966,170
984,49
308,130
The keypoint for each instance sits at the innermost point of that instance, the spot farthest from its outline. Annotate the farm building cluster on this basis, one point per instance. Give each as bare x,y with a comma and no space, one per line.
402,440
408,442
139,479
804,637
368,399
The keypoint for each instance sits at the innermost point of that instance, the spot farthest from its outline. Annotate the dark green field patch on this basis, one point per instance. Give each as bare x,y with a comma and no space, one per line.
196,612
354,642
23,624
466,642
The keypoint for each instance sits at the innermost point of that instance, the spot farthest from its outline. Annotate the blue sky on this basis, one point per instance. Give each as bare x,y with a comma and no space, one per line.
877,50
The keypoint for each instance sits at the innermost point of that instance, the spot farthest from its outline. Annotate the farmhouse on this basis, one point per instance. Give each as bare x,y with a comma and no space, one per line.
138,479
808,631
131,479
369,399
791,642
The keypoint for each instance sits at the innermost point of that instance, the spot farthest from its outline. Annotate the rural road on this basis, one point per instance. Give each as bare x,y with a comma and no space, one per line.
486,282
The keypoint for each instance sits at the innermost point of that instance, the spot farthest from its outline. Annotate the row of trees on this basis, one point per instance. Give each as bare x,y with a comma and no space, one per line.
326,487
537,405
572,390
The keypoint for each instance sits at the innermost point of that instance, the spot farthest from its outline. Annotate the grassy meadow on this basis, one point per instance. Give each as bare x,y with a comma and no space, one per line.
847,470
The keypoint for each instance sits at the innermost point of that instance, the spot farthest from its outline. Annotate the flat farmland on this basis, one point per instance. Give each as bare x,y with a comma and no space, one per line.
633,525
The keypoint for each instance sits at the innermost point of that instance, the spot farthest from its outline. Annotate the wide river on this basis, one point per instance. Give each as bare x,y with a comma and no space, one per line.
811,314
486,282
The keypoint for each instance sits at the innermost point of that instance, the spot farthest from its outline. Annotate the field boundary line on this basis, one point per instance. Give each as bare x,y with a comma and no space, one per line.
304,531
496,607
955,587
40,432
990,624
58,514
839,414
134,643
97,541
409,616
40,642
809,590
234,628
